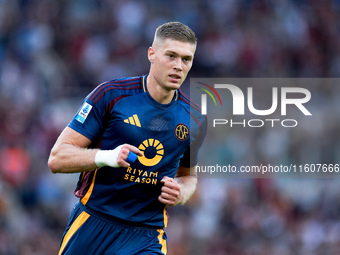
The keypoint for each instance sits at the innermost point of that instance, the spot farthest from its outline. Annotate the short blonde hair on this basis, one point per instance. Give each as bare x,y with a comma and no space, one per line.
176,31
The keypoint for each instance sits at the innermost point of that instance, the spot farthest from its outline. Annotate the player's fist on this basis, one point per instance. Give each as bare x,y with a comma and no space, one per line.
170,192
127,154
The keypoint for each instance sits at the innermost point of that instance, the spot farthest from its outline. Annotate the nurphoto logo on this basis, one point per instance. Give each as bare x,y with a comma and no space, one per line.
268,127
243,103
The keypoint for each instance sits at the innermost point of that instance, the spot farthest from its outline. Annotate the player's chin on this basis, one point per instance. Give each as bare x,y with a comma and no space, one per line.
174,85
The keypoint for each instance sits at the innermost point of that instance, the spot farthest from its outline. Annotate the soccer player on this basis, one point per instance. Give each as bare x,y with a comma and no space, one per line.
122,201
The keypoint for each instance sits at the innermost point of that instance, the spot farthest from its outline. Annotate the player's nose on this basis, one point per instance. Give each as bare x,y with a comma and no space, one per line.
178,65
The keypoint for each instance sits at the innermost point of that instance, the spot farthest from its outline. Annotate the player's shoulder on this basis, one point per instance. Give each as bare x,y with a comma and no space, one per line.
120,87
193,108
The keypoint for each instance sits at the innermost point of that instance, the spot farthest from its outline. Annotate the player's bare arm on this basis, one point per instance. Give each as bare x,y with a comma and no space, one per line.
181,188
70,154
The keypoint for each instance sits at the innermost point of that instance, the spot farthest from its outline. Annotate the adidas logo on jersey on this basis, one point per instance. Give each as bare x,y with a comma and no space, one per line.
133,120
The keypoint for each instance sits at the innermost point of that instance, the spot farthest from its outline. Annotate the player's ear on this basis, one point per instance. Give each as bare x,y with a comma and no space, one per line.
151,54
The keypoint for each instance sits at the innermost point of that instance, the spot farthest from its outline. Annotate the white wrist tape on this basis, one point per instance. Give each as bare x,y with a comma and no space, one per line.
107,157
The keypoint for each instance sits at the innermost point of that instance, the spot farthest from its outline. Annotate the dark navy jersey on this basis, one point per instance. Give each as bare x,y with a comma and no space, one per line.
169,135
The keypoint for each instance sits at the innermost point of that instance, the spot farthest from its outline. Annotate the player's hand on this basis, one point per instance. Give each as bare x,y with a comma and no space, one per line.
118,157
124,153
171,192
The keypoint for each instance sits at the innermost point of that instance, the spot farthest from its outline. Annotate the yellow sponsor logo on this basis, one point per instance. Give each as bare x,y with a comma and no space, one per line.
159,152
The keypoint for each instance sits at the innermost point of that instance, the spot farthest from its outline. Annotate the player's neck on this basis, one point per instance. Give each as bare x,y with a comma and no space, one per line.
158,93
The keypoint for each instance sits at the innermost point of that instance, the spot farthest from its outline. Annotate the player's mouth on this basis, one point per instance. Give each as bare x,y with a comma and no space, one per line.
175,77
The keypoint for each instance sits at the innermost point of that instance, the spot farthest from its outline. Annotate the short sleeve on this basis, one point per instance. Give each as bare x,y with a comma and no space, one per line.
89,119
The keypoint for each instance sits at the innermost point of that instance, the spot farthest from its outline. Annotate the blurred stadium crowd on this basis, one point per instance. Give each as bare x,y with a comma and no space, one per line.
53,53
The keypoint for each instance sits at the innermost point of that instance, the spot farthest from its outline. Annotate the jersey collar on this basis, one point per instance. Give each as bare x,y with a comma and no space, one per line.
153,101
